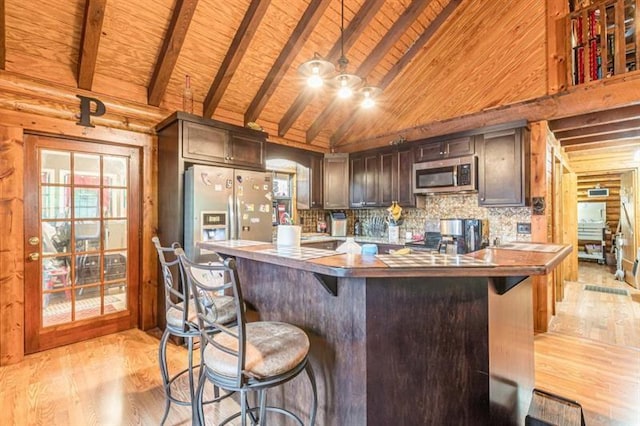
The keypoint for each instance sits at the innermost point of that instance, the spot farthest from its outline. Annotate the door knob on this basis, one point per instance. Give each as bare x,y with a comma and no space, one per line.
34,241
34,256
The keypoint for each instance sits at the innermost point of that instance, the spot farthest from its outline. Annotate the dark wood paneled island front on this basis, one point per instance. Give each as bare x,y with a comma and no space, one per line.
418,339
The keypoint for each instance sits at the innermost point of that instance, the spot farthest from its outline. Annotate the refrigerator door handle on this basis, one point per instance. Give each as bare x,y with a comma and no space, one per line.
232,219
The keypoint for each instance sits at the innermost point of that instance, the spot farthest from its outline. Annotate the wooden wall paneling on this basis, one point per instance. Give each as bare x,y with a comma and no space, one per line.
3,37
408,56
350,35
180,21
558,230
305,26
539,223
11,245
244,35
91,33
148,256
396,31
570,219
628,201
556,45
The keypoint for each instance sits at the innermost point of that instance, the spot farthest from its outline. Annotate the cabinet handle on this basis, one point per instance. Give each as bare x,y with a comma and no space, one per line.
482,199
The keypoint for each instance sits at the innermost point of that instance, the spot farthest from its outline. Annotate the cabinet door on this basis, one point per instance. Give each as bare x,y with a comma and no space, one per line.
404,166
364,180
315,181
303,187
388,178
459,147
501,178
246,151
204,143
336,177
428,151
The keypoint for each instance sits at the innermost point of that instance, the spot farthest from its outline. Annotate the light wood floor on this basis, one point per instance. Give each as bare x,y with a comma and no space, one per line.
592,353
604,317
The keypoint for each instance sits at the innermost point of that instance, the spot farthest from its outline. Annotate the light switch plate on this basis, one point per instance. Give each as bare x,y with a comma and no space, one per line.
524,228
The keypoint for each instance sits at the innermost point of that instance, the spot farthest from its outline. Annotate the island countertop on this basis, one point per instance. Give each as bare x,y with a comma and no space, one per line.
509,259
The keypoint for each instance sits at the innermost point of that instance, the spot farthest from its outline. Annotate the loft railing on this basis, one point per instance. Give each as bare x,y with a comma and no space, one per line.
602,39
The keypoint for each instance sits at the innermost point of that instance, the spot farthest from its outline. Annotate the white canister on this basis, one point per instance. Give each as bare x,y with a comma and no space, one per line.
394,234
288,236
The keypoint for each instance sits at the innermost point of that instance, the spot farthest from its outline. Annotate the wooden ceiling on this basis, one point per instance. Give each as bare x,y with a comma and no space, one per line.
601,141
434,59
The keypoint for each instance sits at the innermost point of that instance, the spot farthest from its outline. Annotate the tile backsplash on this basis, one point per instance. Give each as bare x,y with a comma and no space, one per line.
502,220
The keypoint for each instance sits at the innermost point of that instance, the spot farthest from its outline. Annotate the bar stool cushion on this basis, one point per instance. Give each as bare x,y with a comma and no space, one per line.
273,348
222,310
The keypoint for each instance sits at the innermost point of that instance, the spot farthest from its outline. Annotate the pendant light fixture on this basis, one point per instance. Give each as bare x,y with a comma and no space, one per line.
317,70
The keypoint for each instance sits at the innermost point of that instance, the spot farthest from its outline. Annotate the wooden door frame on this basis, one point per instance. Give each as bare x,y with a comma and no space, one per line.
35,338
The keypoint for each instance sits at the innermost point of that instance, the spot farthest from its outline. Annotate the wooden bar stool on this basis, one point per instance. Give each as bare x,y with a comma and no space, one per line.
181,322
248,357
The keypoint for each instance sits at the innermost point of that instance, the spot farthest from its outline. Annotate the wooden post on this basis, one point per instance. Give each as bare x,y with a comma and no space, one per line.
11,246
557,45
570,218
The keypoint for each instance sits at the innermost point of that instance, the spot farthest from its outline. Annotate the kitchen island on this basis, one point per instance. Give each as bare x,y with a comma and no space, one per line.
404,340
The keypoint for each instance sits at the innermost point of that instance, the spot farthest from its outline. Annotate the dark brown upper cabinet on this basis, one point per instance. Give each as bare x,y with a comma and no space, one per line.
438,148
382,176
213,142
336,178
503,168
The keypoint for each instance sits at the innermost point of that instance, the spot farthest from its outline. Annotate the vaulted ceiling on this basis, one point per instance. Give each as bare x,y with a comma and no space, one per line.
434,59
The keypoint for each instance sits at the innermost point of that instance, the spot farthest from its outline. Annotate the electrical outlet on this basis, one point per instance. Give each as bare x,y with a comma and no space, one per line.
524,228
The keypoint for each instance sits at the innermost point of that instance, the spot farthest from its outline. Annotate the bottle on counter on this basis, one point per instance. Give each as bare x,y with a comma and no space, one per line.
357,228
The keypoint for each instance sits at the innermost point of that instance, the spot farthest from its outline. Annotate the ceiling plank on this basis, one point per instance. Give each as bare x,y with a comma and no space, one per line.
399,27
244,35
300,34
90,41
630,134
180,21
596,146
351,34
3,36
595,118
604,152
602,129
408,56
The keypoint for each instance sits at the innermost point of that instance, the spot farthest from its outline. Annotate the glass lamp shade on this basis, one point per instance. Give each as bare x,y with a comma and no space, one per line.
369,93
345,84
316,70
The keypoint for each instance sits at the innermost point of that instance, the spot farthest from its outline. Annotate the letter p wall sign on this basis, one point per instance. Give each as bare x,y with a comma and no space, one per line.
86,110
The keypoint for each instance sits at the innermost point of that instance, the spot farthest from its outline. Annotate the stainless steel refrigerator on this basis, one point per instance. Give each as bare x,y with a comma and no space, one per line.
226,204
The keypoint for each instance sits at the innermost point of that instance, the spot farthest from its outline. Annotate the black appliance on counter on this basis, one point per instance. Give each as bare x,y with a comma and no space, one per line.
456,236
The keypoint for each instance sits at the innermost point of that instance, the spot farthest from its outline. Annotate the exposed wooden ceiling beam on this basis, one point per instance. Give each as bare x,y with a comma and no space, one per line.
601,153
601,145
351,34
399,27
401,64
602,129
243,37
180,21
90,41
630,134
300,34
595,118
589,167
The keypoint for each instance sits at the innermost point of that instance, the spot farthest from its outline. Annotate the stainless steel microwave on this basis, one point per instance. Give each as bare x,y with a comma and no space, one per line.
448,175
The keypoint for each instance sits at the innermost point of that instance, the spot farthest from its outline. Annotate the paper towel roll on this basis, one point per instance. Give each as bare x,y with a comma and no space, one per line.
288,236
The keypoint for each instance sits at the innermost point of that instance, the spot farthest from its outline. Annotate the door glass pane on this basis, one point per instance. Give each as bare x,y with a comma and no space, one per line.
56,308
115,201
56,290
88,302
115,234
86,169
87,235
54,166
87,202
87,269
115,266
115,171
56,237
115,297
55,202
